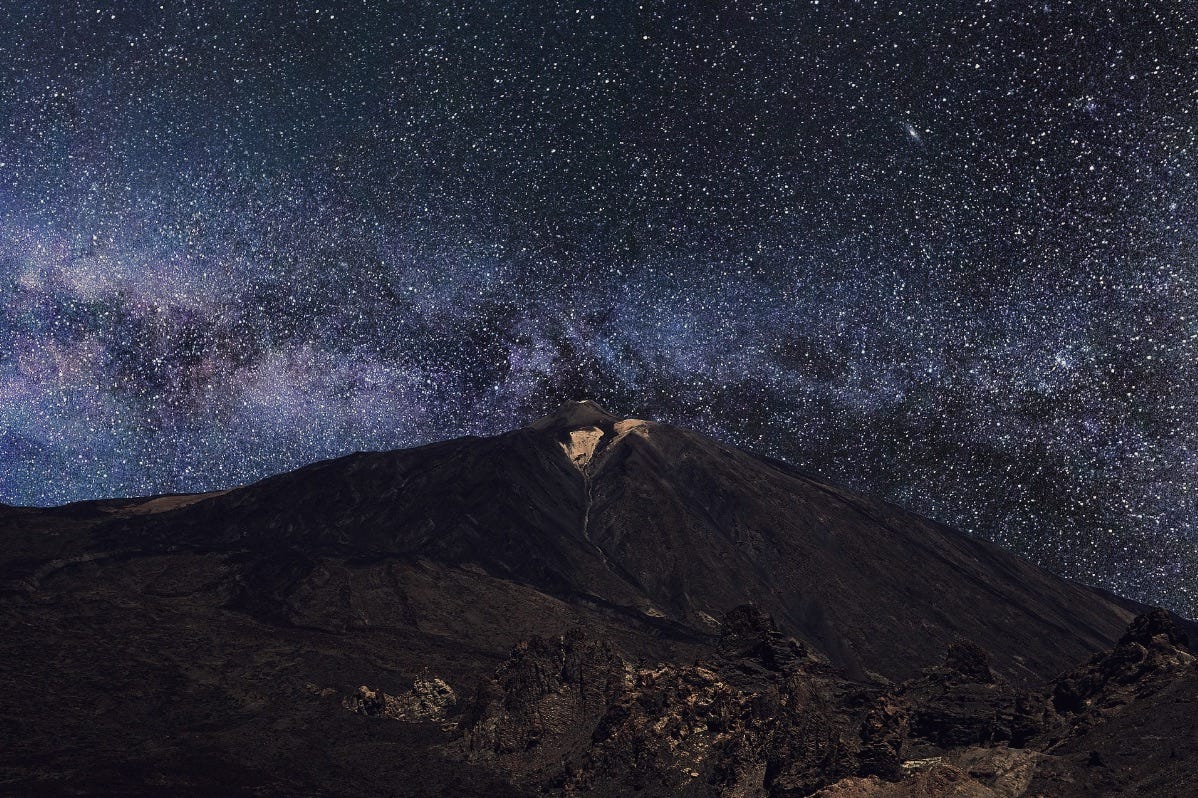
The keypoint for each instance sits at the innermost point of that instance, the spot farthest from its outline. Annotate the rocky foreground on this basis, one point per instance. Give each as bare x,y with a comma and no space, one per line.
761,716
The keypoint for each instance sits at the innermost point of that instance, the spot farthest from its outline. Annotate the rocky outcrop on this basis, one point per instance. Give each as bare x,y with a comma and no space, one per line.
429,699
883,737
669,726
939,781
1150,652
760,717
964,703
973,773
749,636
687,728
1155,628
543,702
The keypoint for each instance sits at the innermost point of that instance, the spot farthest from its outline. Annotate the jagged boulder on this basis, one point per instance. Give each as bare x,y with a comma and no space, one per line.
692,729
543,702
883,734
964,703
429,699
749,635
1155,627
671,726
813,739
970,661
1151,647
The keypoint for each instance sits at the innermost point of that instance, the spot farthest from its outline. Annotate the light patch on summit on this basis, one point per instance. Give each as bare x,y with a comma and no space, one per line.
631,426
581,444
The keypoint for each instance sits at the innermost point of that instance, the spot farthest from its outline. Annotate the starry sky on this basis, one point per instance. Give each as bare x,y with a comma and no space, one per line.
942,252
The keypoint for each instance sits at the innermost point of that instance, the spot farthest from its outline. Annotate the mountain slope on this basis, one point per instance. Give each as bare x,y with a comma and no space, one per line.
664,524
533,612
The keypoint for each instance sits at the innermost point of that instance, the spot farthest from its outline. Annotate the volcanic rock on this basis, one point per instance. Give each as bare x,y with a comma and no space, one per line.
964,703
1149,654
749,634
429,699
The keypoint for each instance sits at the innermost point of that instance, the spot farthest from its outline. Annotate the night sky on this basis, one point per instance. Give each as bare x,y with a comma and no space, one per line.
945,253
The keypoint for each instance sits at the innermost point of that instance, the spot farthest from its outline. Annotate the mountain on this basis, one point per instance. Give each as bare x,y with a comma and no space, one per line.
533,611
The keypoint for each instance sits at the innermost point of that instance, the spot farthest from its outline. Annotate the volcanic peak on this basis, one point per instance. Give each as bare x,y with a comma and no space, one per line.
584,428
575,414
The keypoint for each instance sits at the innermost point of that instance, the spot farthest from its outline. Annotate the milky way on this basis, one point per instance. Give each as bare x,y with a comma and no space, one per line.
943,253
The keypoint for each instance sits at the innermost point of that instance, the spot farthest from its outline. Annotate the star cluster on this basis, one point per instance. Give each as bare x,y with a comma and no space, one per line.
943,252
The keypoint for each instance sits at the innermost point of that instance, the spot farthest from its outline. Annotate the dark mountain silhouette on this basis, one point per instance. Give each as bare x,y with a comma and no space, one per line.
586,604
